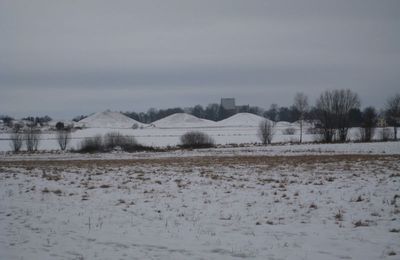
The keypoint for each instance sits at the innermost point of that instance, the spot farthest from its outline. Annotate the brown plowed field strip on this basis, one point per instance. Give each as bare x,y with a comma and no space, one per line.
272,161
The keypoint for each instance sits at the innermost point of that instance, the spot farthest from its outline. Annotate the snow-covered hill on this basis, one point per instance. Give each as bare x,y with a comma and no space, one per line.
241,119
109,119
179,120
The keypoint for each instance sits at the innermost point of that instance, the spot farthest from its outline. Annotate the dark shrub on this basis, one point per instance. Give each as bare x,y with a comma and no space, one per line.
289,131
115,139
196,139
132,146
92,145
60,126
126,143
112,141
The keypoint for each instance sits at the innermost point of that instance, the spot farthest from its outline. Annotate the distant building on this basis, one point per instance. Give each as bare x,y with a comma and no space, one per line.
228,103
381,122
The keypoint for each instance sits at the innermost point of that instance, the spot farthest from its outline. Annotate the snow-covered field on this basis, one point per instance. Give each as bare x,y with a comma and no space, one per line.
238,129
240,200
242,203
162,137
376,148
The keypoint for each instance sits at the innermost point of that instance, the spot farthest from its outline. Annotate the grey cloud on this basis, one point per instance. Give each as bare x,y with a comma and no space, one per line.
131,53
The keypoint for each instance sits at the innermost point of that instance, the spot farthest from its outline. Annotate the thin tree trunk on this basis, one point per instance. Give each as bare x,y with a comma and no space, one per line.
301,131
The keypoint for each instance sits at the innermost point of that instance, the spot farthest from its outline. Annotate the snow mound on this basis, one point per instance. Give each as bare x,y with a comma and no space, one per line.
109,119
182,120
242,119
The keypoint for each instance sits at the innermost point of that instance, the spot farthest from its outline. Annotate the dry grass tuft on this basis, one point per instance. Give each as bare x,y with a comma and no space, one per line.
361,223
339,216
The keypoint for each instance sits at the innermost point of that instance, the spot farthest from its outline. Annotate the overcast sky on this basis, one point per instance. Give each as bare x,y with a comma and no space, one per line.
65,58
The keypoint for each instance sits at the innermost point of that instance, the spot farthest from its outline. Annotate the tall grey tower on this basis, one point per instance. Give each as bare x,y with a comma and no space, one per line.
228,103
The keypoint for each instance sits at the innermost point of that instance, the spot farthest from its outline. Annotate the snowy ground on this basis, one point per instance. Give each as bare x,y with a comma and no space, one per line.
241,128
162,137
235,205
377,148
158,137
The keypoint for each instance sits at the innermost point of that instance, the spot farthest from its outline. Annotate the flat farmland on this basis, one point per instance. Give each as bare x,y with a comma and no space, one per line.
202,207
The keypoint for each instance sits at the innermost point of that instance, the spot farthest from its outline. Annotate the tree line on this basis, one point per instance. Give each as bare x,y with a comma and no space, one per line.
32,120
216,112
333,113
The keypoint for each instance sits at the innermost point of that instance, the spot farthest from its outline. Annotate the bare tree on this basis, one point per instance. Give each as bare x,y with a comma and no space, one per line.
385,134
16,141
333,113
266,131
393,113
32,139
345,100
325,114
63,138
369,121
301,104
